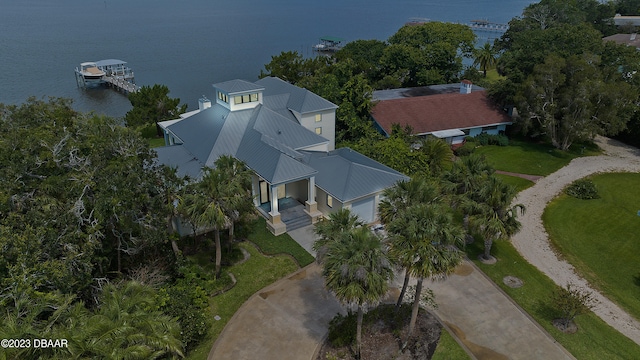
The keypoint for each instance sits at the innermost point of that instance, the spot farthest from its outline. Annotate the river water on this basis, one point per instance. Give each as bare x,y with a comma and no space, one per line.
190,44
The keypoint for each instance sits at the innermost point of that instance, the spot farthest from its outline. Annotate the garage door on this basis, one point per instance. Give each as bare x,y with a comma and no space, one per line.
364,209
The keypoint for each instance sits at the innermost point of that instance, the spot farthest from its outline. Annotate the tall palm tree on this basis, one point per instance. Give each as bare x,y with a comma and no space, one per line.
497,218
207,206
485,57
240,203
399,198
356,269
428,238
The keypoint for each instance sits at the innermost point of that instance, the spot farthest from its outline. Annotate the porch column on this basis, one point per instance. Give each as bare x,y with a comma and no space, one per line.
311,207
274,201
255,190
274,223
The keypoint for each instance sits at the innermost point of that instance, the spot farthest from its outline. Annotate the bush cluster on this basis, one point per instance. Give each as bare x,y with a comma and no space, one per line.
488,139
188,301
466,149
583,189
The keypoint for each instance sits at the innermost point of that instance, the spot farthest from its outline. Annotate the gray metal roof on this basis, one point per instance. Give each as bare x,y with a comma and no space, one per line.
200,131
348,175
238,86
110,62
274,125
300,100
176,156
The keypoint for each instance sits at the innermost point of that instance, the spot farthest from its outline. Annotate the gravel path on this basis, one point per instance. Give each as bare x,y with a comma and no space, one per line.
533,241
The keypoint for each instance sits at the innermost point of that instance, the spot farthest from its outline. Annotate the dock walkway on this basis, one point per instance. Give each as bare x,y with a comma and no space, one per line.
121,84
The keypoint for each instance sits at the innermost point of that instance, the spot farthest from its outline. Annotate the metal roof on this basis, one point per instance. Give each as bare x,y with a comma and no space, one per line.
176,156
237,87
110,62
300,100
348,175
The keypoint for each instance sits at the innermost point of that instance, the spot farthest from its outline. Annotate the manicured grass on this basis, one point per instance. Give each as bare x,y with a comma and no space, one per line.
525,157
282,244
600,237
252,275
518,182
448,348
155,142
594,339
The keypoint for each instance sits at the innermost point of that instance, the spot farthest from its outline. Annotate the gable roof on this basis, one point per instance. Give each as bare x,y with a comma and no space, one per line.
347,175
426,114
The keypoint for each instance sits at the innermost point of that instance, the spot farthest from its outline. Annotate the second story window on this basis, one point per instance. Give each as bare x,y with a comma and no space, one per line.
223,97
318,117
241,99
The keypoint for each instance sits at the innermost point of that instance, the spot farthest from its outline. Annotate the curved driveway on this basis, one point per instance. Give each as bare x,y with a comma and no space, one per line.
533,241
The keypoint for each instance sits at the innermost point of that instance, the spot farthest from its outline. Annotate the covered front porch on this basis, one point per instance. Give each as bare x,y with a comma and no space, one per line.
286,206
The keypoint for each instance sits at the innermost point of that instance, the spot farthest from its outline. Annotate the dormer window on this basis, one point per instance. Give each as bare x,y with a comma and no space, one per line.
223,97
246,98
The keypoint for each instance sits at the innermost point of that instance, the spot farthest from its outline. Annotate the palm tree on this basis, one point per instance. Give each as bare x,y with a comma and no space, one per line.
486,57
497,218
399,198
427,238
331,229
208,206
236,172
356,269
439,155
124,328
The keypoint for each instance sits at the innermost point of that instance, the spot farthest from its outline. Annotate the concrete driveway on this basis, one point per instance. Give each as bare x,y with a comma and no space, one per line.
286,320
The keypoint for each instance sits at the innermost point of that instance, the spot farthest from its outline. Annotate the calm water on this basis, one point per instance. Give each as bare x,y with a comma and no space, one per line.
190,44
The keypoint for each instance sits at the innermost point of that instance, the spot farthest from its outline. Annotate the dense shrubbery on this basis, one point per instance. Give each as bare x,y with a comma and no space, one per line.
342,330
466,149
188,301
489,139
583,189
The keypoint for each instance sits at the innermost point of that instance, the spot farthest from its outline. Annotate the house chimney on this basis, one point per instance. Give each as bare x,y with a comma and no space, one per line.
465,87
204,103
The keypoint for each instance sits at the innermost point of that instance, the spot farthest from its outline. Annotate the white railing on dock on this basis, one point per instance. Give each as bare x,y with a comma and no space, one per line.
121,84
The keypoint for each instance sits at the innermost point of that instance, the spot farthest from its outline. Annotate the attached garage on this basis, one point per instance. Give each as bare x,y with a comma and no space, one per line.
365,209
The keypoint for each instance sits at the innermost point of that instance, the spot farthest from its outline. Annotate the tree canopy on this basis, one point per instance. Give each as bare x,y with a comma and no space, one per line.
152,104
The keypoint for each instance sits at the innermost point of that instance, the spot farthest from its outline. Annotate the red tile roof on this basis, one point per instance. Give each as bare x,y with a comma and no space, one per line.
426,114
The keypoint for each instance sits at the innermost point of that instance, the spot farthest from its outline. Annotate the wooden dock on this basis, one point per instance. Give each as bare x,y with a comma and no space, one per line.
121,84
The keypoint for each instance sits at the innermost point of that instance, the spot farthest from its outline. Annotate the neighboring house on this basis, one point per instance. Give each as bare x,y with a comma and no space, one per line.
624,39
448,112
621,20
286,135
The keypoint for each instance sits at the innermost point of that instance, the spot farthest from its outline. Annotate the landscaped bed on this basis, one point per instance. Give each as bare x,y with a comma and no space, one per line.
601,237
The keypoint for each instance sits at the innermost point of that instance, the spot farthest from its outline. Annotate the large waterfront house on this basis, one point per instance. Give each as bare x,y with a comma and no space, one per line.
286,136
449,112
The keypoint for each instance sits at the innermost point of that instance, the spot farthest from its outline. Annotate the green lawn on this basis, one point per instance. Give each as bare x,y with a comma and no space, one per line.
601,237
448,348
531,158
518,182
594,339
283,244
252,275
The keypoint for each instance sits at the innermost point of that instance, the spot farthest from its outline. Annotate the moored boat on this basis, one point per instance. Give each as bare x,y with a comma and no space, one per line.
89,75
